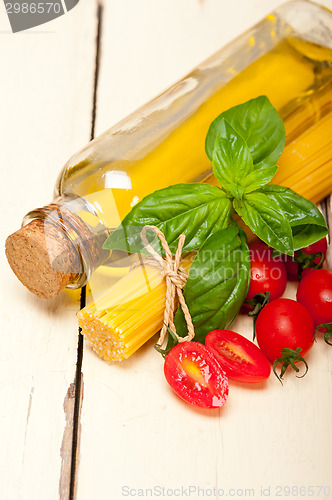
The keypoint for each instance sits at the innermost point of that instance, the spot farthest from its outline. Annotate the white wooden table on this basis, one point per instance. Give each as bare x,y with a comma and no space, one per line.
76,425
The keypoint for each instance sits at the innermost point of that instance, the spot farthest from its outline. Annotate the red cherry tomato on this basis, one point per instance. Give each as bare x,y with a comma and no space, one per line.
292,267
240,358
195,375
267,274
284,323
315,293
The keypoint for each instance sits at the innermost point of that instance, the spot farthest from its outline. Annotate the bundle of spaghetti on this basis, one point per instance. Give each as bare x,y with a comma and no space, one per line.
306,163
125,317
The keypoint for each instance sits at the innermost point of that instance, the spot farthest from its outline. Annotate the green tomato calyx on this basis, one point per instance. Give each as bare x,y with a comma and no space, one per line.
288,357
328,332
304,261
257,303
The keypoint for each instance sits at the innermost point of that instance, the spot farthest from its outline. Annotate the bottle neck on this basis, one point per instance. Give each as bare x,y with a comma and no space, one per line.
84,232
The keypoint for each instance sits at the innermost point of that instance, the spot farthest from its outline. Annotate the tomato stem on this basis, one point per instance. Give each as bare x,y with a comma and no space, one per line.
288,357
307,260
257,303
327,334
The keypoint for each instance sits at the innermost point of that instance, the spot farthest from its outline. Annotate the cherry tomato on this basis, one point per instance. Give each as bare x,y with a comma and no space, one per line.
195,375
315,293
240,358
292,267
284,323
267,274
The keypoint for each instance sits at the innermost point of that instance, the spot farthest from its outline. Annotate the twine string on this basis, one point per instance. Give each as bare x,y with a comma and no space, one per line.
176,278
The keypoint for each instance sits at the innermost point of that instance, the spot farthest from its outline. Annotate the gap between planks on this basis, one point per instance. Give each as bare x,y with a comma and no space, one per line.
72,405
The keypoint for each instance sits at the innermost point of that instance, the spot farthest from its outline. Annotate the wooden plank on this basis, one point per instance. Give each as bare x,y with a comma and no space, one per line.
47,87
135,432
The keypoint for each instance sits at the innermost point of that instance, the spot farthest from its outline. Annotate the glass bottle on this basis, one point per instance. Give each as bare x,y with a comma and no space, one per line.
287,56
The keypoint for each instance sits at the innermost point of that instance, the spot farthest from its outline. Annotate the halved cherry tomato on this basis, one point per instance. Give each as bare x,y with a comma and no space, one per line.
267,274
241,359
315,293
195,375
292,267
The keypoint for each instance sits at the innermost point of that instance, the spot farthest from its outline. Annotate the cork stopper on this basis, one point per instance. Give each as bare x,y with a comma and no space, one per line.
43,258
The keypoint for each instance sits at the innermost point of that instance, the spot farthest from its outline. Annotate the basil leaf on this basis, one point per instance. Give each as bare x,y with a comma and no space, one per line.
232,161
258,178
196,210
259,124
307,223
266,219
217,284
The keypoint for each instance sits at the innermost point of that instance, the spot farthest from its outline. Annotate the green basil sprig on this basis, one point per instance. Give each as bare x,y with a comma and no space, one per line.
243,143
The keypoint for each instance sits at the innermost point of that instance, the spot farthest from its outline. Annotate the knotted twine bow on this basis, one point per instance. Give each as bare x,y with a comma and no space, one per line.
176,278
